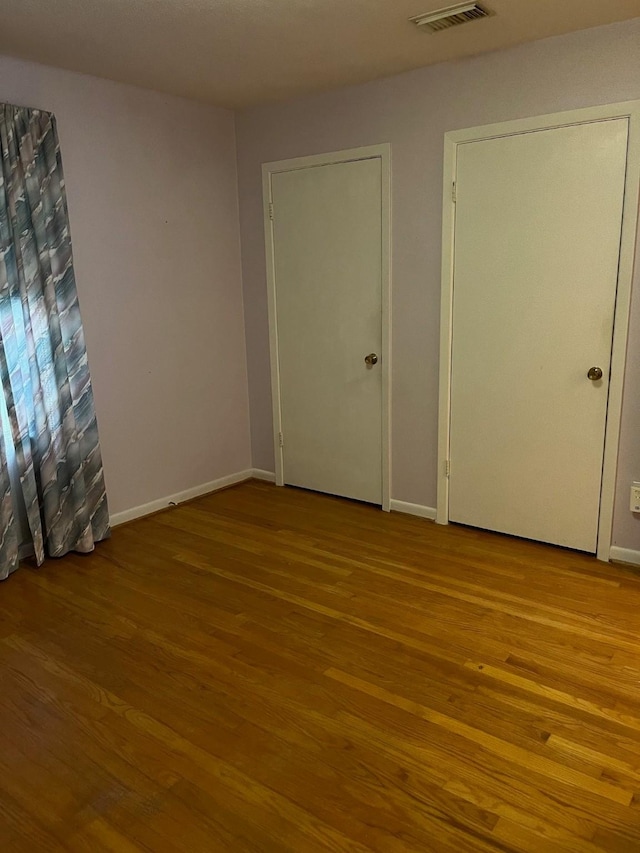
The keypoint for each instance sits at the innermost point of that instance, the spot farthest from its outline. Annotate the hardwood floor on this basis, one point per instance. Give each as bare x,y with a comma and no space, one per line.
271,670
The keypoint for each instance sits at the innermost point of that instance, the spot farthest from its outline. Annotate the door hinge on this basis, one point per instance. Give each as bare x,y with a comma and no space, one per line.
280,439
271,211
447,468
454,193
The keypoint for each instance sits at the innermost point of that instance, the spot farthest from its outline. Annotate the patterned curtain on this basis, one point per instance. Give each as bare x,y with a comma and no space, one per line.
43,360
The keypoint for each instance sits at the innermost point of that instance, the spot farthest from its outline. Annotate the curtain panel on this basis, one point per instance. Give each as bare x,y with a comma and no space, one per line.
43,361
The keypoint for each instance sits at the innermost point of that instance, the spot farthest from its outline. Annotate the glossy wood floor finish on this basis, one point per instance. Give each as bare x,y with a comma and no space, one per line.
271,670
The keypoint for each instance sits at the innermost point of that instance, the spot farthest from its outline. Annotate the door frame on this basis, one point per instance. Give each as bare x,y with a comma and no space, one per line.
380,152
631,111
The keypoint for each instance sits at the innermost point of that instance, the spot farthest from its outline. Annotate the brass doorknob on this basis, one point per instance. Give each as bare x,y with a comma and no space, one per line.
594,374
371,359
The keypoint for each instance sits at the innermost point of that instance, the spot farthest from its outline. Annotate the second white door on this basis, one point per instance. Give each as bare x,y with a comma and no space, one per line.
327,259
537,243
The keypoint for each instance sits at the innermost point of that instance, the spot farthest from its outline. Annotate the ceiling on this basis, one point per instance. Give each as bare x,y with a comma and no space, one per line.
240,52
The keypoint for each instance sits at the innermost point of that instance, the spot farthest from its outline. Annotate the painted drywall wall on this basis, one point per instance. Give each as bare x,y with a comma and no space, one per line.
412,112
152,192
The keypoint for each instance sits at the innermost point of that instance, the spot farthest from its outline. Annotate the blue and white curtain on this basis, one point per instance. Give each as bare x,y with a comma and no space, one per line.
43,361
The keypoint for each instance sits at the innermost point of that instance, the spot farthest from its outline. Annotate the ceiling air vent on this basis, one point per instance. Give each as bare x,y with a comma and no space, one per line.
452,16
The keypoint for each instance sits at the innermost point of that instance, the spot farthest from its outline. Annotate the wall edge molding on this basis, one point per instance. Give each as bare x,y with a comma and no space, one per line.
261,474
624,555
179,497
140,511
413,509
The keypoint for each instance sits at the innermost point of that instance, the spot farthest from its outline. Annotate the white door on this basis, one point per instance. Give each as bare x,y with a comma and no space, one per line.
327,233
537,242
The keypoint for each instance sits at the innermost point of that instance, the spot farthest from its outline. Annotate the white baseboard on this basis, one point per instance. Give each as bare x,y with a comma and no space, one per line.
414,509
624,555
268,477
180,497
259,474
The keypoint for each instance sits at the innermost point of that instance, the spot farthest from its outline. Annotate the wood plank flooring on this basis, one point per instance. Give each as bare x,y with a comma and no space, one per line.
272,670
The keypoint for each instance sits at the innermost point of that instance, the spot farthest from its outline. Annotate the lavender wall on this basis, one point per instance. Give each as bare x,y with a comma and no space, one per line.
412,112
152,191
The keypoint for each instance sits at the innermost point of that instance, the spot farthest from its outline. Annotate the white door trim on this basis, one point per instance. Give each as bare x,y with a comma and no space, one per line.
370,152
631,111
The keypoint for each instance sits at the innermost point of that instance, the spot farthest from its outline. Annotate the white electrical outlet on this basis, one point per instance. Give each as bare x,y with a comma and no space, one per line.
635,497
